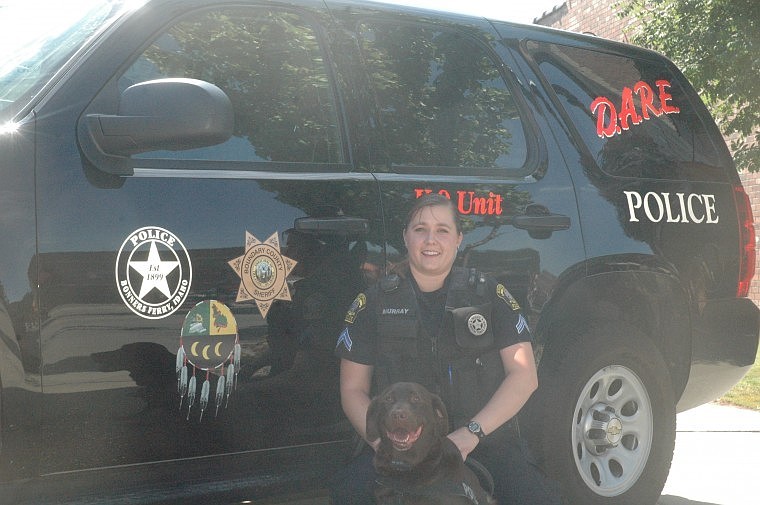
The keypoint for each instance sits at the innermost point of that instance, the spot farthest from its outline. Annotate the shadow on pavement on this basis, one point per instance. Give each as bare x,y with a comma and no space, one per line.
677,500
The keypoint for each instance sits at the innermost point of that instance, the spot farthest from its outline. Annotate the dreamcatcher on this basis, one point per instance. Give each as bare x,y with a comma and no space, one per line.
209,348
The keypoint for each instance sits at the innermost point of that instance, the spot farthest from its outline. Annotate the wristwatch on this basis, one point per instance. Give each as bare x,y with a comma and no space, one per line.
476,430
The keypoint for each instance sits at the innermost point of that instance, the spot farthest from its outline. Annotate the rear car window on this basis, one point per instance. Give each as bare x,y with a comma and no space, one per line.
271,65
441,100
632,114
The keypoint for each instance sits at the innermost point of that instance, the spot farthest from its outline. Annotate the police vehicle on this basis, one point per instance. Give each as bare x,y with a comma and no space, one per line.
193,192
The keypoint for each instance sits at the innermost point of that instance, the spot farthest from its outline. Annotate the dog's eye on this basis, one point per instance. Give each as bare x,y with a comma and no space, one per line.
388,399
414,399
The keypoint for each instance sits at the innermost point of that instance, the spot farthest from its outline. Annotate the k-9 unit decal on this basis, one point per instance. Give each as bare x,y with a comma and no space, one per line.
470,202
262,271
153,272
611,120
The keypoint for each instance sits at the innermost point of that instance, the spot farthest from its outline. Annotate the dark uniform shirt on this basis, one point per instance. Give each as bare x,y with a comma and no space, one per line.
471,385
359,340
447,340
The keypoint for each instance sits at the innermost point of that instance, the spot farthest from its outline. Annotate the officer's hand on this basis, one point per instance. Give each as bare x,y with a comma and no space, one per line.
465,440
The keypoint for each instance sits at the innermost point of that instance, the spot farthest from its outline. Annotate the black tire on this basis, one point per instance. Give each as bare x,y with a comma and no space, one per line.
606,418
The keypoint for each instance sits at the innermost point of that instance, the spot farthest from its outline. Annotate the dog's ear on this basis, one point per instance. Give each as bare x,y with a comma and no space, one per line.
442,417
373,422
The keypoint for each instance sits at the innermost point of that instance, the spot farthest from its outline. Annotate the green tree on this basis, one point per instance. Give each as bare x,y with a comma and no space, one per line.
716,43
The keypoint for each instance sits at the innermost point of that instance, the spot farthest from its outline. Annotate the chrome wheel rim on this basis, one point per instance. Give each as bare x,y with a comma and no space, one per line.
612,430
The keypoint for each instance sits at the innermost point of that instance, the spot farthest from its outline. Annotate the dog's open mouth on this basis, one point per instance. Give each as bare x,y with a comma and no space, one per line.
403,439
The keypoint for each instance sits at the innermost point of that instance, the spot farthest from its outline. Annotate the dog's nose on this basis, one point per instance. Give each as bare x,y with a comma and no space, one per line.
399,415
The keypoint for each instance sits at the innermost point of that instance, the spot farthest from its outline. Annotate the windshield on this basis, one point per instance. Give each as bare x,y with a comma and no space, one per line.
37,37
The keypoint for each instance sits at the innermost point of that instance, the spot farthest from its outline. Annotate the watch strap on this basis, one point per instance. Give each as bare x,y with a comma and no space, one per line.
475,429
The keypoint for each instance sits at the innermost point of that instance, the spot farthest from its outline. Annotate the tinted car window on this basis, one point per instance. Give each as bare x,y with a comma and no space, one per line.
272,67
633,114
441,100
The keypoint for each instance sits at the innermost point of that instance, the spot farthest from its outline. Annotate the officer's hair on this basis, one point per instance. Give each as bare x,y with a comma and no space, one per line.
434,200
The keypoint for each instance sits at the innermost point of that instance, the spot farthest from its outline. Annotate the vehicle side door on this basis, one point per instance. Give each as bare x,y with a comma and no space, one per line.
449,114
194,268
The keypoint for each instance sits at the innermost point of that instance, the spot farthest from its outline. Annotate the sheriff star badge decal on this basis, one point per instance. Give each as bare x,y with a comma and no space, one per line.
263,271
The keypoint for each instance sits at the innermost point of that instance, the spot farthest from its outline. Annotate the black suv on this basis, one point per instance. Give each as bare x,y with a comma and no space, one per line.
192,192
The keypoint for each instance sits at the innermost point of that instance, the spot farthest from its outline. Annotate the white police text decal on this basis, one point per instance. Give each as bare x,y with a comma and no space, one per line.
671,208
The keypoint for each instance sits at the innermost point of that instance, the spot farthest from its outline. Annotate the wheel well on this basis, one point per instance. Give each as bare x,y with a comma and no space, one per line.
581,390
650,302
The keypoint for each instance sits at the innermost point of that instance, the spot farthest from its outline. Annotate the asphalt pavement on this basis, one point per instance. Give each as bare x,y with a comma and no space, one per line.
717,458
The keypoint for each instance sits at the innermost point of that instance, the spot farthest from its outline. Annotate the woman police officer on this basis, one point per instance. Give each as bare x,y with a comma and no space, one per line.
459,334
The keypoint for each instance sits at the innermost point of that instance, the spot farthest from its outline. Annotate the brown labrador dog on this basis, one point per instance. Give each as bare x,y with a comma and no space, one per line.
415,461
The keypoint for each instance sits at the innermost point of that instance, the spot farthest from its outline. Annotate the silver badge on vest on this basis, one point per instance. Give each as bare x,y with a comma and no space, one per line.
472,330
477,324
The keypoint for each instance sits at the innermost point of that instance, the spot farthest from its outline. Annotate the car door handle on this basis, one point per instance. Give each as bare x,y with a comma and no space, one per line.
338,225
538,218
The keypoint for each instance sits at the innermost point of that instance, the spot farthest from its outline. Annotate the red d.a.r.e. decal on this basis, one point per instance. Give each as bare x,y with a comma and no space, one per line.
611,121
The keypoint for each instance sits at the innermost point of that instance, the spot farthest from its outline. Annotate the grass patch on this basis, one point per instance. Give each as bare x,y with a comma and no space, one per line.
746,393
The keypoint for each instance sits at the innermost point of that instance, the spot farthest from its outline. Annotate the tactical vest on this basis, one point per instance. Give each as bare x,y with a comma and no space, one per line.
462,364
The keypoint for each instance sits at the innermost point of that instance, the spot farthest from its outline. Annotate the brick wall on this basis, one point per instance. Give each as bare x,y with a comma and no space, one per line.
598,17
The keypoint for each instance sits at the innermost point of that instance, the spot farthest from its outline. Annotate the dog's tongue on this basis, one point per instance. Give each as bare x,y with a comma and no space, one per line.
402,439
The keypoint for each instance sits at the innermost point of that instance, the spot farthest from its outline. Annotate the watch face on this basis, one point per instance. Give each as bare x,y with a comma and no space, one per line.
474,426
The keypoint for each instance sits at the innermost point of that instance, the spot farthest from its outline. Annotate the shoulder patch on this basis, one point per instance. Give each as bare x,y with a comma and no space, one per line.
502,293
360,302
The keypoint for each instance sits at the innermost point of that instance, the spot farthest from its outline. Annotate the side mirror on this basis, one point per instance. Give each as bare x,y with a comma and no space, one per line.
165,114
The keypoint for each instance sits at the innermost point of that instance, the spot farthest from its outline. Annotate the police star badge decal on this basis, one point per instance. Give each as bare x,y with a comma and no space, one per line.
153,272
262,271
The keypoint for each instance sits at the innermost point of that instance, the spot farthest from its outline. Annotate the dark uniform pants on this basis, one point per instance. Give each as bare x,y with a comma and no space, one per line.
517,479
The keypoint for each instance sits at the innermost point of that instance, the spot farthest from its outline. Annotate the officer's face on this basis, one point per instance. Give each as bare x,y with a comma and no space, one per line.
432,239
